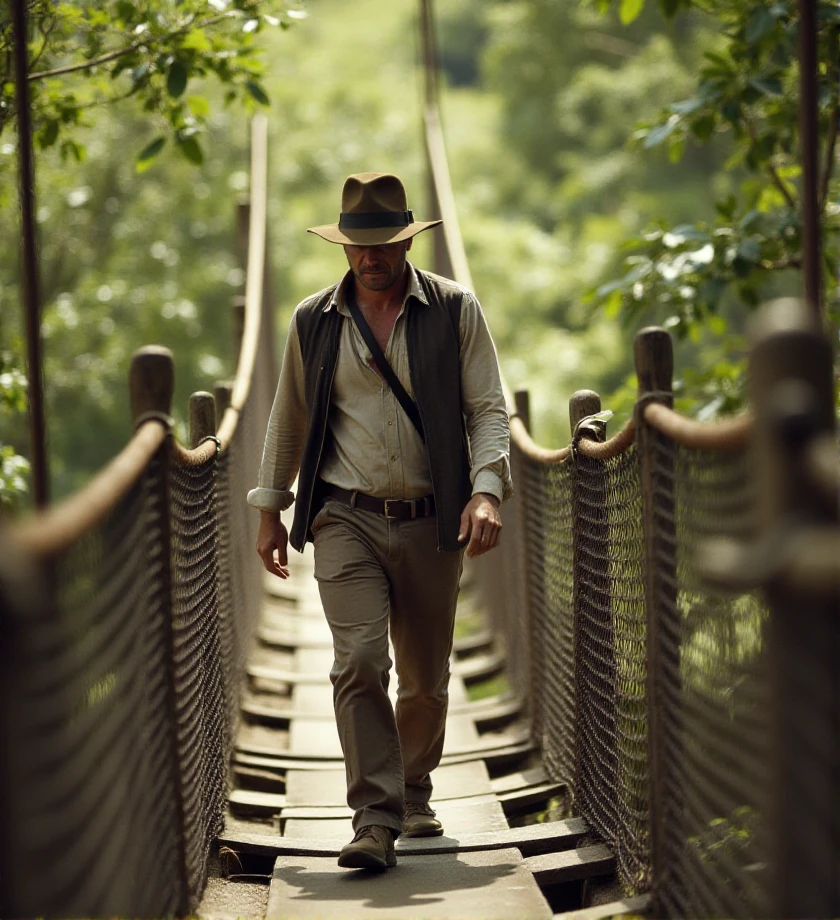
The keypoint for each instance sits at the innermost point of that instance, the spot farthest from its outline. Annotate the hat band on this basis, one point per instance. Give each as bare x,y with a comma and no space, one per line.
374,220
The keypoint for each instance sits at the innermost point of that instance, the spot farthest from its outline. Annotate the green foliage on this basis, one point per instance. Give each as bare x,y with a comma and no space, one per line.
86,54
14,468
698,278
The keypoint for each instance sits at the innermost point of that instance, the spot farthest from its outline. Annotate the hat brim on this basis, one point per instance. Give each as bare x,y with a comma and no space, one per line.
372,237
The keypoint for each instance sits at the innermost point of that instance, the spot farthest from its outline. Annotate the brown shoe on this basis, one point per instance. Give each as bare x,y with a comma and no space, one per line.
371,848
419,821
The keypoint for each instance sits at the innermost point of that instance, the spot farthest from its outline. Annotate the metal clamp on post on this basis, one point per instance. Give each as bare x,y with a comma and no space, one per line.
212,437
154,416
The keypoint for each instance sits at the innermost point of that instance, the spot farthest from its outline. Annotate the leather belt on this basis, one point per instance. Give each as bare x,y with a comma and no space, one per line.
393,509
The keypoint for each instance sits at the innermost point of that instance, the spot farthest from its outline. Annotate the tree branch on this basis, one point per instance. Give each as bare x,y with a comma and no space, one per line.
775,178
133,46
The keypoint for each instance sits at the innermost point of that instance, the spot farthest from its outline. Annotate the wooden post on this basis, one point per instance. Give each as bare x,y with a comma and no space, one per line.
243,229
238,310
202,417
511,583
792,390
595,766
222,394
522,403
654,360
151,385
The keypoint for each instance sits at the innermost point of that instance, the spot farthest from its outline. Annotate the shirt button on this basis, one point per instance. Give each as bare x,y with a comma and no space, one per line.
393,459
390,423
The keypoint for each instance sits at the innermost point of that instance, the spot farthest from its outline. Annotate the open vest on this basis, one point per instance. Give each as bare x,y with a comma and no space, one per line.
433,342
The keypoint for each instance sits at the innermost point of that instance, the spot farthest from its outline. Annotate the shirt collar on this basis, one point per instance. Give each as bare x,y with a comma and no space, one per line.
413,289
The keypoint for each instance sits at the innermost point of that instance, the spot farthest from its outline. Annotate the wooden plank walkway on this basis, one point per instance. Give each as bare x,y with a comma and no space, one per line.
287,808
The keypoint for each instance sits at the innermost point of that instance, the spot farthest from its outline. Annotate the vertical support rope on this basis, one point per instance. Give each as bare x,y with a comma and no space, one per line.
31,292
809,140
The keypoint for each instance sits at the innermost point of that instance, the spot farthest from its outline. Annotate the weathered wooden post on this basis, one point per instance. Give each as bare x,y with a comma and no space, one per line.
595,766
518,552
151,385
222,395
202,418
793,393
238,309
654,360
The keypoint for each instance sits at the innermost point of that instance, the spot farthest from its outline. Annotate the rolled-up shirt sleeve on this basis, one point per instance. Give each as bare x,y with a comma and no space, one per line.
483,401
286,433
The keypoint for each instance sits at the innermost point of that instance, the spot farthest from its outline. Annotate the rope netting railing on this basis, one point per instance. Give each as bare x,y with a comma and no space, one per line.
126,615
649,618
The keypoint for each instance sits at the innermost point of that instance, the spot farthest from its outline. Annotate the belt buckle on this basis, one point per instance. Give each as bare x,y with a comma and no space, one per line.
388,515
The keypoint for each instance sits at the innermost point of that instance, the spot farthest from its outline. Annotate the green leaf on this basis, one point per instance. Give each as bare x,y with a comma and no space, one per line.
749,250
630,9
196,40
669,8
199,106
176,79
661,132
147,155
190,148
702,128
257,92
761,23
687,106
48,135
676,149
769,86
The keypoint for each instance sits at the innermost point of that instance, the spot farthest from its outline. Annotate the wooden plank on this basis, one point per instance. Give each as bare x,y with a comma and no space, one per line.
603,911
530,841
269,758
571,865
465,645
313,701
329,787
521,799
477,815
479,667
476,886
248,802
510,782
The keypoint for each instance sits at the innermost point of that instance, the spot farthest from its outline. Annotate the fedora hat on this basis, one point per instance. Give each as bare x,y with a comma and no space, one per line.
373,212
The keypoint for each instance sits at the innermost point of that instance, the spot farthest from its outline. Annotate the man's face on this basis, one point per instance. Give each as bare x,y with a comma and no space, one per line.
378,267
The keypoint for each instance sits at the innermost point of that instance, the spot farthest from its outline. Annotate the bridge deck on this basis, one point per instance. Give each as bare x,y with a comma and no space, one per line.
288,818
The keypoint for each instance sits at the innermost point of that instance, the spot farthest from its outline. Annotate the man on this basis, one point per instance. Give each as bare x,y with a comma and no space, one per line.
391,488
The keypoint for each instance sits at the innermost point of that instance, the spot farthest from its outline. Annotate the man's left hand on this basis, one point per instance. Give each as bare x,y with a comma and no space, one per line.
481,523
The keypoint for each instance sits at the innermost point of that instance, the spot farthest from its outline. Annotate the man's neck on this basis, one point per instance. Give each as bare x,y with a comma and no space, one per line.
382,301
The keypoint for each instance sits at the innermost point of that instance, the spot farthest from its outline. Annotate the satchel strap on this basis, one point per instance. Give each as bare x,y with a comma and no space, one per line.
408,404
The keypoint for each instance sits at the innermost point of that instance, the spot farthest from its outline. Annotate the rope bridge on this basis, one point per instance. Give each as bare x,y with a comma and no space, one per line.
666,601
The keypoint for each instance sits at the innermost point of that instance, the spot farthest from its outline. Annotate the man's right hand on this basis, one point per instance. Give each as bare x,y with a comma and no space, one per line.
273,536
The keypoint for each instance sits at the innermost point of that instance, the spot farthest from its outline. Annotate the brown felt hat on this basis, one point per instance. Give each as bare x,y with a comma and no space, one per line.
373,212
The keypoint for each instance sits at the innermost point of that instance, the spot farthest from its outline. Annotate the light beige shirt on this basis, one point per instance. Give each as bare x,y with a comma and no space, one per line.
372,446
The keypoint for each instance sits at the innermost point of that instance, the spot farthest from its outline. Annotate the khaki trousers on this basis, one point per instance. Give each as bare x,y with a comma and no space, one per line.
374,574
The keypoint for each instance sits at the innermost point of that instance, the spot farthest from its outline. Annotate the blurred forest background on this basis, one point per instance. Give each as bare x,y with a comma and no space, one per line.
580,135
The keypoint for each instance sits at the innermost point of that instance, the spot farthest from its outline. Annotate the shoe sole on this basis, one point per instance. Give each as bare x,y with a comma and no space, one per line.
359,859
424,832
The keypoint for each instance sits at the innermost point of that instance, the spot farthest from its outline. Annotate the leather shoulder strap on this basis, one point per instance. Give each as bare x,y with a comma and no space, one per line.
408,404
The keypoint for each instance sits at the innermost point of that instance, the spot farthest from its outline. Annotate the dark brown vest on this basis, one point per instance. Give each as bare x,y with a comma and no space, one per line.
433,341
